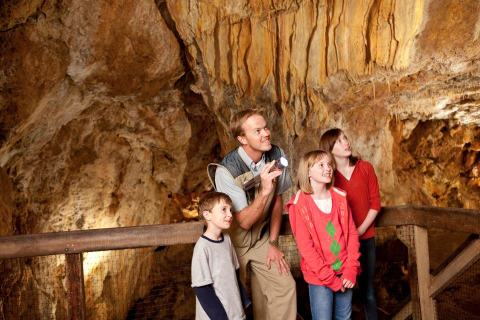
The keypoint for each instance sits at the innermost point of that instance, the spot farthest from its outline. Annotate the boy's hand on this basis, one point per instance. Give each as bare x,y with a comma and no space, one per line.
275,255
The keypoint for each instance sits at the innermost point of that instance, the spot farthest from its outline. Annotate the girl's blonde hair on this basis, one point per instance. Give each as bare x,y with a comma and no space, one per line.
306,162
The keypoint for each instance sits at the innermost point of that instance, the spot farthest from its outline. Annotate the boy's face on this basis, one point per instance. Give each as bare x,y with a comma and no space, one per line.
220,218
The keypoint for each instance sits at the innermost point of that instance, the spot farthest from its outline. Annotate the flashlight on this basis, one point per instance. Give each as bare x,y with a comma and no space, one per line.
280,164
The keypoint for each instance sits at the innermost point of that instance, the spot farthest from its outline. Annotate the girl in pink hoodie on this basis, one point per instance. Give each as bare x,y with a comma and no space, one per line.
326,237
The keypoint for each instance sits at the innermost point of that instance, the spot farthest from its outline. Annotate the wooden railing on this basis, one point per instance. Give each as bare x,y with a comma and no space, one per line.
408,220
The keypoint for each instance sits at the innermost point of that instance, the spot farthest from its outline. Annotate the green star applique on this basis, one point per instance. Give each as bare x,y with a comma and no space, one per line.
330,229
337,265
335,247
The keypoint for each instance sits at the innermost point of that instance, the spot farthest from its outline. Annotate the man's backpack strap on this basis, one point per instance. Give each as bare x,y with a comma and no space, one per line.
211,170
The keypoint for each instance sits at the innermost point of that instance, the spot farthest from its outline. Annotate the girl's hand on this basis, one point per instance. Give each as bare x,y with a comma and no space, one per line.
361,231
347,284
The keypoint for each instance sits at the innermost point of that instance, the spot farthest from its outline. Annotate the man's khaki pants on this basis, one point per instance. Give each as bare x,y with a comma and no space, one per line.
273,295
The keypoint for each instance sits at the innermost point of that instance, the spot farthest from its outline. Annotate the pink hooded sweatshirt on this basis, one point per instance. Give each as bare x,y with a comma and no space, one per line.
328,243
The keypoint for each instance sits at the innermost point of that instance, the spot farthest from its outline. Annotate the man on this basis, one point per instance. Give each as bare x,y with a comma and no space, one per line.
258,214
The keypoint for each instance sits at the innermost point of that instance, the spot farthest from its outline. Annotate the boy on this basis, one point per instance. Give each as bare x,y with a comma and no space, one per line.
214,264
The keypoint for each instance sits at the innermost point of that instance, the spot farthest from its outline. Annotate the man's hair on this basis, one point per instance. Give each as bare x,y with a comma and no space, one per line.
328,139
239,118
306,162
208,201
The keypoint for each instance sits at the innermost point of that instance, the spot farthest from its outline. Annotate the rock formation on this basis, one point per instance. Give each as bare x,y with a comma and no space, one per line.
109,111
370,67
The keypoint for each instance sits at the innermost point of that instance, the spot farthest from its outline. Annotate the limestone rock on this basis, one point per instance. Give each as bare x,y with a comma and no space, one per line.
110,111
90,121
357,65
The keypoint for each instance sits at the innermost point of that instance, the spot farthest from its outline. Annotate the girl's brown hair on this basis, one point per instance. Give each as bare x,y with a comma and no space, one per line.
306,162
328,139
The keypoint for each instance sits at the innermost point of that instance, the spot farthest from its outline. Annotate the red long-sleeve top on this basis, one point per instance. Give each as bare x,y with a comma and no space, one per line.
328,243
362,193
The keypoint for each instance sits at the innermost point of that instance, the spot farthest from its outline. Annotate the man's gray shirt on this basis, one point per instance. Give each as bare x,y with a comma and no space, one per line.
225,182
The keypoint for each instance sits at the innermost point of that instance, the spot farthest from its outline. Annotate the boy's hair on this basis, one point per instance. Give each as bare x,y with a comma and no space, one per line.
328,139
306,162
239,118
208,201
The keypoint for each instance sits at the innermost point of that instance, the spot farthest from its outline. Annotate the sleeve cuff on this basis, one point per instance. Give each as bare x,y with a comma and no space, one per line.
336,285
202,283
350,275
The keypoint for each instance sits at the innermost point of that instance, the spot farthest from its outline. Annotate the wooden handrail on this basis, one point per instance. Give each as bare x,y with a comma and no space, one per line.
65,242
451,219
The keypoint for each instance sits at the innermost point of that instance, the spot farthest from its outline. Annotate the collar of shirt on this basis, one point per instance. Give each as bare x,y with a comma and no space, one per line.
254,167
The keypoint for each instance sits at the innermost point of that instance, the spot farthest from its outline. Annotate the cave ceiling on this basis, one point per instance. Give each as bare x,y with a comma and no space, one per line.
103,105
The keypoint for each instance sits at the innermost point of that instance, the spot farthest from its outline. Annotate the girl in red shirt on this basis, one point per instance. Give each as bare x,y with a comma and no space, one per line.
326,237
358,179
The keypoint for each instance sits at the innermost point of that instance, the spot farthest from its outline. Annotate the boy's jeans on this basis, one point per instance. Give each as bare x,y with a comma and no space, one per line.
326,304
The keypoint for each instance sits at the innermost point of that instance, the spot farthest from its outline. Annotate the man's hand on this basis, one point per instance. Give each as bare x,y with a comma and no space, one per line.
268,178
275,255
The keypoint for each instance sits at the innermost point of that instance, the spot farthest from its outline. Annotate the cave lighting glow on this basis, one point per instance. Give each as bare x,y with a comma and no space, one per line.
94,260
191,210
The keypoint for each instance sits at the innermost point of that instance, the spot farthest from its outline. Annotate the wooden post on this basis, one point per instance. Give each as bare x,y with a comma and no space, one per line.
416,240
423,272
76,291
406,235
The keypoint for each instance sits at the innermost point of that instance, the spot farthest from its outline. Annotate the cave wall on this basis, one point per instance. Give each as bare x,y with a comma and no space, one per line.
109,112
90,120
6,204
358,65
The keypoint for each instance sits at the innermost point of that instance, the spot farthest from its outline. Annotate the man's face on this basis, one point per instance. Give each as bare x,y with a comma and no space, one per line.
256,135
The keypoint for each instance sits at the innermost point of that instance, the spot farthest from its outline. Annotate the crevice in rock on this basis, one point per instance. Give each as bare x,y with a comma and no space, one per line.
197,112
246,54
309,44
276,68
163,9
216,39
230,55
372,12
